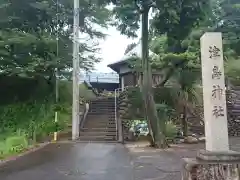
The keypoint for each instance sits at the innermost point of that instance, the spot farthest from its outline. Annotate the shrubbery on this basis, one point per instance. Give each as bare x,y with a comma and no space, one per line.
35,121
26,122
171,130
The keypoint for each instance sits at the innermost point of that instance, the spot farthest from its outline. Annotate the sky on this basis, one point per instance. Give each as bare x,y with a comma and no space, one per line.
114,46
112,49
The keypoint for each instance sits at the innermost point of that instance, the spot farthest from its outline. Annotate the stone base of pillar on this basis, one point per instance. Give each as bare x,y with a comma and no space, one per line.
212,166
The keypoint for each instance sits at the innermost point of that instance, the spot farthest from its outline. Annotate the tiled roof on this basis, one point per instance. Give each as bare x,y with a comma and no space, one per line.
136,51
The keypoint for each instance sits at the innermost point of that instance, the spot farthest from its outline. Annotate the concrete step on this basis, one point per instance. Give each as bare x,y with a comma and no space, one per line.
90,126
99,133
100,122
103,103
106,109
101,114
98,112
97,115
106,129
101,111
101,107
99,127
96,119
103,100
96,138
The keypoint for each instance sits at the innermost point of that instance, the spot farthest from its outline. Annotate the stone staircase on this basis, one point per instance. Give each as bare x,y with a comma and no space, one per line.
100,121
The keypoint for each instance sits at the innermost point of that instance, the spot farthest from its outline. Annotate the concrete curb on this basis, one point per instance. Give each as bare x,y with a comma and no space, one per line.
27,152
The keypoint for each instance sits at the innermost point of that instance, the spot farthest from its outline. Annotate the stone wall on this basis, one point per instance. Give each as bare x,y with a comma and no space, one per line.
130,107
233,109
233,104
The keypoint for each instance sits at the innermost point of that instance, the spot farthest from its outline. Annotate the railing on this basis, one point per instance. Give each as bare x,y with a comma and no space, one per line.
83,119
101,77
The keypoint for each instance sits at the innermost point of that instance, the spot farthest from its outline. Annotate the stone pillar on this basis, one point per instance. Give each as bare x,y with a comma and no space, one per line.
213,81
120,130
122,83
216,162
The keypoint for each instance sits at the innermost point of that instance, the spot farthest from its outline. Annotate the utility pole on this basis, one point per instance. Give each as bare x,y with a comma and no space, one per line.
75,102
57,98
56,78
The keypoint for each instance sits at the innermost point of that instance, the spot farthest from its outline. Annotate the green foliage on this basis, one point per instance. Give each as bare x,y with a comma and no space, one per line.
13,144
175,30
85,93
130,47
16,143
177,19
174,18
35,120
127,18
134,96
232,70
171,130
14,88
35,36
158,44
2,149
27,115
35,39
226,19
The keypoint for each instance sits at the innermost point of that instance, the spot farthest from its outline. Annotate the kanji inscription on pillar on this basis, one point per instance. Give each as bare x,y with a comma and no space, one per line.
214,98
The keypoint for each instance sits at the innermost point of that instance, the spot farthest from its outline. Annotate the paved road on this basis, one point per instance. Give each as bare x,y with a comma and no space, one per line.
79,161
94,161
98,161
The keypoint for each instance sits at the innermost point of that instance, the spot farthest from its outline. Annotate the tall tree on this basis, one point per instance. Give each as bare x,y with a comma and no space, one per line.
31,31
169,18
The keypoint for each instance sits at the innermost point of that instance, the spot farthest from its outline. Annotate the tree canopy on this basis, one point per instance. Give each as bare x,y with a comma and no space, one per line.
35,35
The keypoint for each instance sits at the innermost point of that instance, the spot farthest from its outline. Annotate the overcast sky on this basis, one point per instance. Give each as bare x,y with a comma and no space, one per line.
112,49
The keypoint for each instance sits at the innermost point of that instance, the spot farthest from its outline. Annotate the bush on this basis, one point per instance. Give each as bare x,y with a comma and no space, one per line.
13,144
3,149
86,93
24,123
16,144
171,130
28,115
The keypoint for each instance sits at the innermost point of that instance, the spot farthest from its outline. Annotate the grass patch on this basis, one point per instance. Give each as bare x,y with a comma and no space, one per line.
171,130
23,124
13,145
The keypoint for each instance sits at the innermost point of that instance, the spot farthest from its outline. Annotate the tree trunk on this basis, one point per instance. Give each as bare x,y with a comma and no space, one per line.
184,122
147,91
162,127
